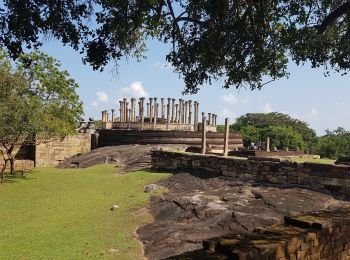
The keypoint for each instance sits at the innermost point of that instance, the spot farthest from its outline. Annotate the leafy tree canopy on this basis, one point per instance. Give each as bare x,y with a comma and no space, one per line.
241,41
335,144
262,125
37,101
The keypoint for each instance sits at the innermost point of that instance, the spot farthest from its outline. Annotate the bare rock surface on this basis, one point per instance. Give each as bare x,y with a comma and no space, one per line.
199,206
127,157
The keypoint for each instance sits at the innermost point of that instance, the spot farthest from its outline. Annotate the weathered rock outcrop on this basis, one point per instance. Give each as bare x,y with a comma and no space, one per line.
127,157
199,207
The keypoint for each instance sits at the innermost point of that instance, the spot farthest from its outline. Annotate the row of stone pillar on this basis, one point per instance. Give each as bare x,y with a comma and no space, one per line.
212,119
170,112
181,113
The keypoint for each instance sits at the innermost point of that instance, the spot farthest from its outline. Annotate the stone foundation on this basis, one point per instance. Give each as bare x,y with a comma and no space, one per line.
115,137
330,178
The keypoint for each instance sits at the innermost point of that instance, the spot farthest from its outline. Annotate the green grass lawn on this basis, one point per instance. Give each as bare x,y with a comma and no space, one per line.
301,160
65,214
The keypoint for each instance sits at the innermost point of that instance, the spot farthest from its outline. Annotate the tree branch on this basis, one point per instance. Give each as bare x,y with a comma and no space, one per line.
333,16
189,19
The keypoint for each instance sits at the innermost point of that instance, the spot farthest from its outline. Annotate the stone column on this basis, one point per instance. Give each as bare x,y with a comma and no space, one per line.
120,111
155,113
180,111
176,113
173,110
156,108
209,119
168,113
268,144
195,115
150,110
162,109
103,116
204,135
185,112
142,111
127,114
190,112
113,115
227,132
124,110
106,116
133,112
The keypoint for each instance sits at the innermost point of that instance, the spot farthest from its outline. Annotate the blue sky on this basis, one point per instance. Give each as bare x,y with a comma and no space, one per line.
306,95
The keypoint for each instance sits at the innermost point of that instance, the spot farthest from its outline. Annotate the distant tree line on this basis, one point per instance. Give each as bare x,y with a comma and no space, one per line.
286,132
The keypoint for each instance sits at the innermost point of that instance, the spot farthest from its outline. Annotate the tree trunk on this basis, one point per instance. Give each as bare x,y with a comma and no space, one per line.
12,165
9,150
3,167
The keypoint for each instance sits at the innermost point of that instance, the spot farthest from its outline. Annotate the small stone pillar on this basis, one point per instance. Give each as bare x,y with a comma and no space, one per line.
142,111
204,135
209,118
180,111
190,112
150,110
113,115
127,112
120,111
103,116
172,110
227,132
133,108
268,144
176,113
155,115
162,109
156,109
124,110
106,116
168,113
196,114
185,112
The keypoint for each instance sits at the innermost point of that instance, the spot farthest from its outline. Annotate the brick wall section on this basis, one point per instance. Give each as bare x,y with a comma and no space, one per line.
52,153
334,178
324,235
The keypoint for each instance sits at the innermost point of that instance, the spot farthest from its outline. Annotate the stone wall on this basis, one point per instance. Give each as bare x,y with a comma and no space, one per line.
24,156
332,178
52,153
323,235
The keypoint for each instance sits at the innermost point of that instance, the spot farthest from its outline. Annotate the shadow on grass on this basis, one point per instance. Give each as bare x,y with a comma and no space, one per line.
19,176
152,170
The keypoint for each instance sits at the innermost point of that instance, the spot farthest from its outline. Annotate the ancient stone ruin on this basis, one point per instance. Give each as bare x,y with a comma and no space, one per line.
164,115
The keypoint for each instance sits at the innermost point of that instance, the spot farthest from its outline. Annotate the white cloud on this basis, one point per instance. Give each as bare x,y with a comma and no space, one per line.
102,96
227,113
94,103
313,113
135,89
230,99
267,108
